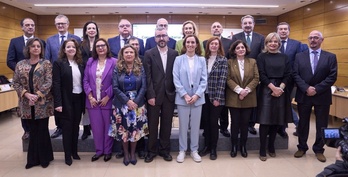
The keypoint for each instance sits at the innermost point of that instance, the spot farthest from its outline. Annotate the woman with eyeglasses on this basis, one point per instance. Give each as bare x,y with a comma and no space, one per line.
98,88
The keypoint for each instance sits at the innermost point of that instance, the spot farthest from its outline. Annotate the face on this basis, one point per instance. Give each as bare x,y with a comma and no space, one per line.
129,55
35,48
70,49
101,48
188,29
283,31
240,50
161,38
135,44
214,46
248,25
162,23
190,44
91,30
273,45
62,25
315,40
216,29
125,28
28,27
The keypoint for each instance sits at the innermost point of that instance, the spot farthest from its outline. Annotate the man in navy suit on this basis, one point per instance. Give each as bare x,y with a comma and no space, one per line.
125,32
315,71
151,42
15,54
255,42
289,47
51,53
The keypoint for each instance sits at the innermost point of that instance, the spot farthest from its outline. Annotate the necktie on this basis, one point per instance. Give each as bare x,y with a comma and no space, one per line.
315,60
125,41
248,40
62,39
282,49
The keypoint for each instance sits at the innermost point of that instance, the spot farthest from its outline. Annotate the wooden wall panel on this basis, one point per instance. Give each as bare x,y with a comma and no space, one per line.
333,5
338,15
336,29
295,25
313,9
313,21
337,42
341,54
343,70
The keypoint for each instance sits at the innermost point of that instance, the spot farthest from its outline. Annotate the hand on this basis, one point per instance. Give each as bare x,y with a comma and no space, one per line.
339,154
104,101
93,102
31,97
244,93
311,91
277,92
241,97
194,98
216,103
187,98
131,105
58,109
152,101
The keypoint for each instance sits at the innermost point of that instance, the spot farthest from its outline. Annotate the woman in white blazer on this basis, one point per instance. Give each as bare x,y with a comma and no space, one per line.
190,80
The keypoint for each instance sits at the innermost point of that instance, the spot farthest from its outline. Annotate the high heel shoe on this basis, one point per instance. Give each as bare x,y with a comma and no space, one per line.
76,157
243,152
234,151
68,161
126,163
133,161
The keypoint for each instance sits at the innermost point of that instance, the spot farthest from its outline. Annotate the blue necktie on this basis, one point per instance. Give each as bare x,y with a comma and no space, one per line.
248,40
315,60
282,49
62,39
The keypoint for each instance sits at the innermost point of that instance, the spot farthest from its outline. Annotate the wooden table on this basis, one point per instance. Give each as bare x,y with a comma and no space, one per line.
8,100
339,107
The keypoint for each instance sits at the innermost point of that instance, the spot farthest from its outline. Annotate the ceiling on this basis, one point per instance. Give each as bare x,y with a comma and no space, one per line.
216,7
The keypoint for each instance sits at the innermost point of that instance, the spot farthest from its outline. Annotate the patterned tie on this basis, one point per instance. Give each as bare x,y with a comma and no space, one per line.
315,60
125,41
282,49
62,39
248,40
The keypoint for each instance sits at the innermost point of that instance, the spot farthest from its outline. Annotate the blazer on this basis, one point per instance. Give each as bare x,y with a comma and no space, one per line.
42,81
181,76
323,78
63,86
159,83
234,79
151,43
115,46
89,79
217,80
121,98
226,44
257,43
53,46
292,48
15,51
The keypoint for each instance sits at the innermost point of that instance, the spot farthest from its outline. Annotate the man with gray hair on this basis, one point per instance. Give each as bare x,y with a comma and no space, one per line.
151,42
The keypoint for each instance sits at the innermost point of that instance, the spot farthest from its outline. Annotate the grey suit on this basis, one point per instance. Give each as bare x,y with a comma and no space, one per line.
53,45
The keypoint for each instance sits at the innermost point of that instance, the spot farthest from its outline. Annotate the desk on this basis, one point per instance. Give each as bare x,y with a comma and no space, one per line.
8,100
339,106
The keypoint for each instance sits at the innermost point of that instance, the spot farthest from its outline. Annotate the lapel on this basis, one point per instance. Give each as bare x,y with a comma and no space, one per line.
108,65
307,62
56,42
93,69
21,43
215,65
158,60
288,46
320,62
236,70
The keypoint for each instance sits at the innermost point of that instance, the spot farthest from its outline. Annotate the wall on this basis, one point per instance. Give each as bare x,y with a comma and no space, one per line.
331,18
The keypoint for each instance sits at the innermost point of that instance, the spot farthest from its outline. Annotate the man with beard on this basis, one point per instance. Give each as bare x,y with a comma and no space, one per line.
160,94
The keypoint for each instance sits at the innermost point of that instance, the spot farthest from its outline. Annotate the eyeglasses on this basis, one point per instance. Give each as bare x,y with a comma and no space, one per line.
216,26
100,46
61,24
163,25
124,25
313,37
161,36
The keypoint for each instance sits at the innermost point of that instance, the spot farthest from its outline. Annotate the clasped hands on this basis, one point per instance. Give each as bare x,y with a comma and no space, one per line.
311,91
277,91
243,93
32,98
131,105
191,99
102,102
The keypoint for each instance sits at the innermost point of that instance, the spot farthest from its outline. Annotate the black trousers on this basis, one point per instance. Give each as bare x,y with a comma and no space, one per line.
224,118
271,131
25,125
239,123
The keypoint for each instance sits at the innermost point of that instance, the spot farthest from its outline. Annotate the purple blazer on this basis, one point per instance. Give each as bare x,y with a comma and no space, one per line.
89,81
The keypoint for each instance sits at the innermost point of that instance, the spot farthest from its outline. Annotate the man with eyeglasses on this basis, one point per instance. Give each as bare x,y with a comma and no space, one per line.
125,32
151,42
160,95
315,71
52,49
15,54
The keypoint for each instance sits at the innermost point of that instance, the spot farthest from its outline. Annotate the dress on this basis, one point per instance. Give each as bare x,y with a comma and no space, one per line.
129,125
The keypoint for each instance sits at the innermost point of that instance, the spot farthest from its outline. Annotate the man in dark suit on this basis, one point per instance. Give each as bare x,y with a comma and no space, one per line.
289,47
255,42
160,94
315,71
51,52
15,54
125,32
216,30
151,42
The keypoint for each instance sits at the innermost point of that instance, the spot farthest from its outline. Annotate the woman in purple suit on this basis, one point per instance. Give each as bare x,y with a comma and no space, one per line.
98,88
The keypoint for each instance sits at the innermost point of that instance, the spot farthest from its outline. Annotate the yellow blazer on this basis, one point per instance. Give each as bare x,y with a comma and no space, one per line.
251,80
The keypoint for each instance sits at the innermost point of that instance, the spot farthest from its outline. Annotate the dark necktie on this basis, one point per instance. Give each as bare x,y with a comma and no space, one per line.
248,40
282,49
125,41
62,39
315,60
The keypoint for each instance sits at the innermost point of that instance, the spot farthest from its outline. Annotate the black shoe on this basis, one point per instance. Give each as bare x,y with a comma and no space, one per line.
133,161
57,133
233,152
166,156
225,133
107,157
45,164
96,157
243,152
213,155
119,155
86,132
27,166
126,163
68,161
76,157
282,133
141,154
149,157
204,151
252,130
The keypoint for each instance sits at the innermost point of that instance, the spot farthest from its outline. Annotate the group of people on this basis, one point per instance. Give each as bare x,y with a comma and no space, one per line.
127,91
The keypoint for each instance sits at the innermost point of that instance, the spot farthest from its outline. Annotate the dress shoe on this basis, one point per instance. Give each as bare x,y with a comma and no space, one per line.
76,157
233,152
96,157
68,161
204,151
243,152
263,158
107,157
320,157
119,155
26,136
45,164
141,154
213,155
57,133
252,130
149,157
225,133
27,166
282,133
272,154
299,153
166,156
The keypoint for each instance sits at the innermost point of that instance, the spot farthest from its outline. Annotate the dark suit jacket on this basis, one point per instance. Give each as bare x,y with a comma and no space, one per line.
63,86
323,78
53,46
257,43
226,45
292,48
159,83
151,43
115,46
15,51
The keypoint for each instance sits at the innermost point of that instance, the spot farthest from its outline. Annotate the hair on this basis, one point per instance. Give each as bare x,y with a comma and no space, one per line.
121,63
94,52
220,51
132,38
26,50
269,38
62,16
247,16
85,43
198,50
62,54
283,23
22,21
234,46
195,29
